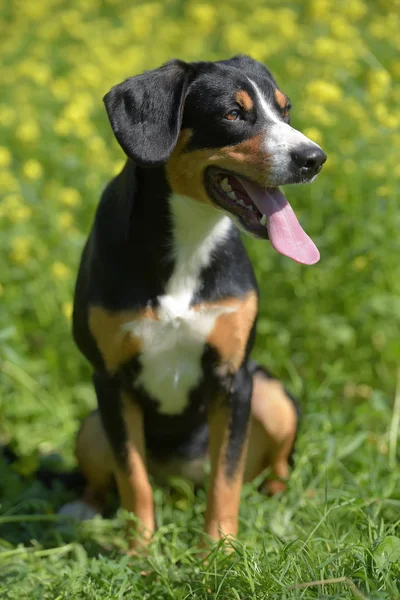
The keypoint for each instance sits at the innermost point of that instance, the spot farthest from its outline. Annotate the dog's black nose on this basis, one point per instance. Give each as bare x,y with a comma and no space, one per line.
309,159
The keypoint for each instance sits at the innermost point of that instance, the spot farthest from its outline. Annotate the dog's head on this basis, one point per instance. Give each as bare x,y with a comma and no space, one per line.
223,132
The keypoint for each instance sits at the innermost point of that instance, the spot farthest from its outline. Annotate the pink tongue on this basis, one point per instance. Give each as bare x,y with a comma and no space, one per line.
284,231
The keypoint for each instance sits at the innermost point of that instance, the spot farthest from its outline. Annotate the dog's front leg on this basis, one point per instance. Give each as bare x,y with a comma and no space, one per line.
123,422
228,429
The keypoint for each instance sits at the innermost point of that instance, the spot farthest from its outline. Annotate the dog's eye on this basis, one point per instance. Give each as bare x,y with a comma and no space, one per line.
286,111
233,115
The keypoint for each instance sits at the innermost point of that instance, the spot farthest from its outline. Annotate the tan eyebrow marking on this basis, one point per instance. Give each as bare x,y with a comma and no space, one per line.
280,98
244,100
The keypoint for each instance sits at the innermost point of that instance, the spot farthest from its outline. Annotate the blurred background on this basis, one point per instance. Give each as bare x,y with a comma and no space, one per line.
331,330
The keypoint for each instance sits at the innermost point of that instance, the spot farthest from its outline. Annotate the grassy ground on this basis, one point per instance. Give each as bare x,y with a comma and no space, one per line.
331,331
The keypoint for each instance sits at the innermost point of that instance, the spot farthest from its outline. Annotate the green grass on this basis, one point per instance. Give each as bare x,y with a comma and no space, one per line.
342,504
332,331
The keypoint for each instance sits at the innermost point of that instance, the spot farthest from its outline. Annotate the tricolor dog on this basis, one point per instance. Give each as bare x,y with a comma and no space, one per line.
166,299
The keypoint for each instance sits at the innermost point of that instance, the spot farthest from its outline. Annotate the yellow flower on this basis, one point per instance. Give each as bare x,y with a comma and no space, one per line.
325,47
19,214
204,16
49,30
354,9
359,263
378,29
60,271
384,191
392,121
60,88
76,112
258,51
28,131
324,91
321,115
41,73
33,10
32,169
263,16
385,117
70,18
314,134
65,220
236,37
342,29
20,249
378,83
62,127
5,157
377,169
69,196
321,10
117,166
84,130
286,23
67,309
395,68
96,144
90,74
139,24
8,183
7,115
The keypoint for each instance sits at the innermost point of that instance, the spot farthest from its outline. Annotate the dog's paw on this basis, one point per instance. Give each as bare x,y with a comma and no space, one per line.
78,510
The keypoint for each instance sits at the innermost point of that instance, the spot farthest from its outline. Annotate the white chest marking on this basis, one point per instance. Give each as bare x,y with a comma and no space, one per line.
172,346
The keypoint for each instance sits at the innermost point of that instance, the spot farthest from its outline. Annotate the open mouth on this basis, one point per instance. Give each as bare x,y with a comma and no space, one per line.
262,212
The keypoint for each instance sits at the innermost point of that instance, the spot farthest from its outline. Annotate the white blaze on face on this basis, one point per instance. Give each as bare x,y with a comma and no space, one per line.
280,140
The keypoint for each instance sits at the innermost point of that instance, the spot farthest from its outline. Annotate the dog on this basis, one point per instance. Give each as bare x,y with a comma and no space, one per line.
166,300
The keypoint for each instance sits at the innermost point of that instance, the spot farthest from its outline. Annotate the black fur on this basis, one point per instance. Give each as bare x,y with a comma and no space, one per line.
146,112
128,261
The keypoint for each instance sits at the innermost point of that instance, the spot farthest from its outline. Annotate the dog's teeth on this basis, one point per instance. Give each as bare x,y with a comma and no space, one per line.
225,185
232,195
241,203
263,220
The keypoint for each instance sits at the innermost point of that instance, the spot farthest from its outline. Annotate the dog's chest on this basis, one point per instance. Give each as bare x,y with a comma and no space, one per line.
171,349
172,343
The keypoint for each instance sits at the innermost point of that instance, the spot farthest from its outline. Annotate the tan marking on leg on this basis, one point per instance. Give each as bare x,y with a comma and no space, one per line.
231,331
273,430
95,460
133,483
185,170
244,100
223,499
115,344
280,98
257,453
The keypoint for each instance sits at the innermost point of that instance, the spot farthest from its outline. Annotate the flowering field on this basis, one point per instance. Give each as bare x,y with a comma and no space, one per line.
332,331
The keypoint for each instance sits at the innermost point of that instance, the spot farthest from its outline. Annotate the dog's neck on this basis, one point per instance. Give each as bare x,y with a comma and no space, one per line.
196,227
185,228
197,230
178,234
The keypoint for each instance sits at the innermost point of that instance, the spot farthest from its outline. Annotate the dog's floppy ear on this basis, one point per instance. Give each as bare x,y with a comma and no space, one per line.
145,112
